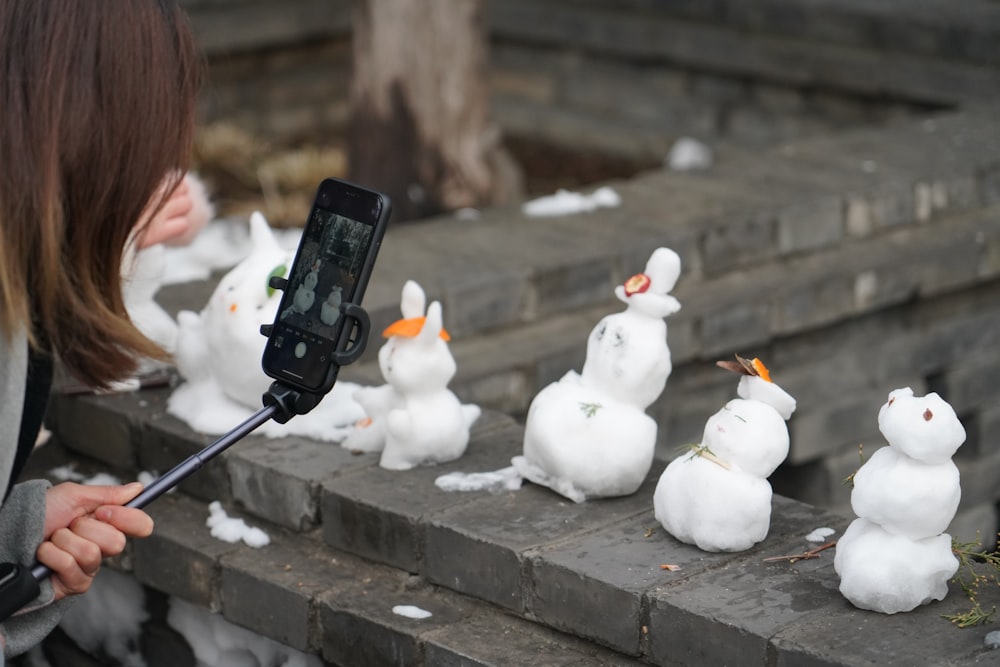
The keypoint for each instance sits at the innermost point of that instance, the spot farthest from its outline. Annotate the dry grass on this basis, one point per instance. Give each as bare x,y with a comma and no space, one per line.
246,173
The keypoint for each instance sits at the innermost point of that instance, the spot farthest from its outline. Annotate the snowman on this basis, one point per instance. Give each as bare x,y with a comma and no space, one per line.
896,556
223,341
305,294
219,353
588,435
414,419
717,497
331,307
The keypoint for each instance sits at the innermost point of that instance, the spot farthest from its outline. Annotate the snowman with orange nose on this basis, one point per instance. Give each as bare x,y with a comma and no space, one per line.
588,435
414,419
717,496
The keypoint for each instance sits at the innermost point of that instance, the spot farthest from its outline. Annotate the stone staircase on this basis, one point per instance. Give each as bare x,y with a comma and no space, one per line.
516,578
781,249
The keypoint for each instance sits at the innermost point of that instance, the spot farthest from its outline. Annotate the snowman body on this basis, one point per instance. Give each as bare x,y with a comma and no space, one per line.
223,341
414,419
583,442
587,435
330,310
717,497
896,556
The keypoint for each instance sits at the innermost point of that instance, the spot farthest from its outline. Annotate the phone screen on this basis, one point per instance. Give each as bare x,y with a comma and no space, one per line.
332,266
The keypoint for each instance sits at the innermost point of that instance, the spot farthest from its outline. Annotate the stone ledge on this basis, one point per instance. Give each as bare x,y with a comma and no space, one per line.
581,580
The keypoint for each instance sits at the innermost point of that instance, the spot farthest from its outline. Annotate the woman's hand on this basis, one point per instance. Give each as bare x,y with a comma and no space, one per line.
173,223
83,525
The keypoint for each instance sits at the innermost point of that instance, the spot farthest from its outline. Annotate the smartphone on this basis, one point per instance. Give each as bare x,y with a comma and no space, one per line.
332,266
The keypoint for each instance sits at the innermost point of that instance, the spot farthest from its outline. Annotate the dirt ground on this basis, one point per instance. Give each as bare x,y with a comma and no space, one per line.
246,173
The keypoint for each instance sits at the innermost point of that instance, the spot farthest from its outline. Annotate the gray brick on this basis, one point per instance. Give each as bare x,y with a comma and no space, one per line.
484,299
491,637
735,243
871,638
979,480
810,224
610,570
478,548
181,556
278,479
270,590
735,327
107,428
976,523
806,304
749,602
381,515
359,628
819,430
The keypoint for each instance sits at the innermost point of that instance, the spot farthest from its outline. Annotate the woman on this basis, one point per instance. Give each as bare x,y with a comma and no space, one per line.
97,105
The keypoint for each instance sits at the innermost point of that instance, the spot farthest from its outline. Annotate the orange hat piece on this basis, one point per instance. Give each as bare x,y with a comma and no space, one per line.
409,328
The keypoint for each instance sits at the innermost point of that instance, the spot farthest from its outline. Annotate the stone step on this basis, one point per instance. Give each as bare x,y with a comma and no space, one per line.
488,566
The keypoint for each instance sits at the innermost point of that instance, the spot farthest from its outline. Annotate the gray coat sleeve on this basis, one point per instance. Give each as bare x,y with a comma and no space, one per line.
22,520
22,515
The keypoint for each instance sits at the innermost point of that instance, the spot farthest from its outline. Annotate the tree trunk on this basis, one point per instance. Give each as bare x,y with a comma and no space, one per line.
420,127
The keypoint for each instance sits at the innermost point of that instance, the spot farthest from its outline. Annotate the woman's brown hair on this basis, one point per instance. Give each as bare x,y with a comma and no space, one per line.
97,108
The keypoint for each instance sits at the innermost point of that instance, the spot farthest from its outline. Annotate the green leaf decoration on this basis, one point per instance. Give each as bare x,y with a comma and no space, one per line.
278,271
590,409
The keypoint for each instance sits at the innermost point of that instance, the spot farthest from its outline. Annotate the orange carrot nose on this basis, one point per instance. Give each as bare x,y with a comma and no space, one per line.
232,308
761,369
409,328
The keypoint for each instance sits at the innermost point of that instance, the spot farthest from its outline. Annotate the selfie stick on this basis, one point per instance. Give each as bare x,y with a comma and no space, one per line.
20,585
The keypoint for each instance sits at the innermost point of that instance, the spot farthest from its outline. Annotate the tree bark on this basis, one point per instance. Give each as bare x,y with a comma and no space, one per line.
420,127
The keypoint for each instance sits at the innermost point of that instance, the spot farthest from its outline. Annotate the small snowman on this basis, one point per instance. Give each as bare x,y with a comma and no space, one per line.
717,497
331,307
305,294
896,556
414,419
223,341
588,435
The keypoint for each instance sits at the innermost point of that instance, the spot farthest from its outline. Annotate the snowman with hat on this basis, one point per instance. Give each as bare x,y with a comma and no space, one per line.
717,496
588,435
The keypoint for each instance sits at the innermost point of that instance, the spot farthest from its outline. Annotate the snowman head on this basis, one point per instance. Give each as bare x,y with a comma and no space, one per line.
311,279
924,428
626,360
416,359
748,433
647,292
756,385
335,295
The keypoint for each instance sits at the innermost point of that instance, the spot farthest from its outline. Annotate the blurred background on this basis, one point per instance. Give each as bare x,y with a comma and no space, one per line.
523,96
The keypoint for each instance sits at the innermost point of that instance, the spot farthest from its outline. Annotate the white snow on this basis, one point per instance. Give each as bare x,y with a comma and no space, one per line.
564,202
68,473
216,642
820,534
109,617
232,530
409,611
688,154
505,479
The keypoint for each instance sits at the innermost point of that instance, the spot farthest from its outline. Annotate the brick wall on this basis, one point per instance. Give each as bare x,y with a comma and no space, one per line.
629,77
